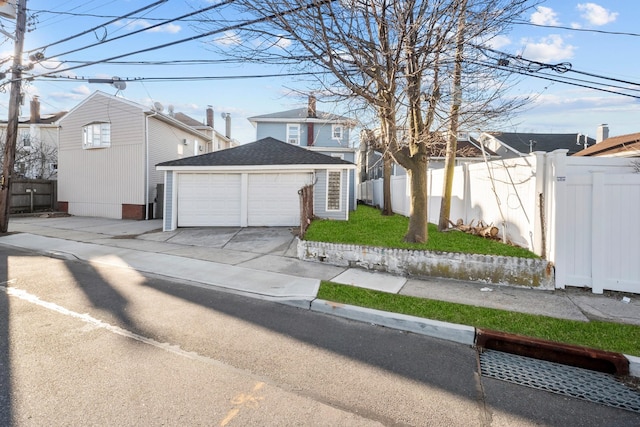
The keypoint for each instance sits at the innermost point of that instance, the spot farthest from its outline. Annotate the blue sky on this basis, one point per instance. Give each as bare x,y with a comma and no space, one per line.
587,44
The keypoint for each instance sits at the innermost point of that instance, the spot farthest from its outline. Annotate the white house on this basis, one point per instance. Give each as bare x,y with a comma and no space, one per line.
107,153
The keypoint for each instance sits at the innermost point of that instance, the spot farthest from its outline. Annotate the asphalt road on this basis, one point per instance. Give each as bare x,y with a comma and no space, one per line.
84,344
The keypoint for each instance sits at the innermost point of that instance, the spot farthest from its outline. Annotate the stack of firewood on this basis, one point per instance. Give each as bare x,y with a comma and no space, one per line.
480,229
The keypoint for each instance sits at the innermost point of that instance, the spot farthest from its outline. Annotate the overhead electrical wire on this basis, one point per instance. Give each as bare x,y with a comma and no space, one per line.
96,27
188,78
206,9
586,30
192,38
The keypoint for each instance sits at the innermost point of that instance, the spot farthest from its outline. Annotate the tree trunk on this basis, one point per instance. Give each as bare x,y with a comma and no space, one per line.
387,209
418,231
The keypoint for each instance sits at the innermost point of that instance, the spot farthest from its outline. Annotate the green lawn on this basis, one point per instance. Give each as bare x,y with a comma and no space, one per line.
595,334
366,226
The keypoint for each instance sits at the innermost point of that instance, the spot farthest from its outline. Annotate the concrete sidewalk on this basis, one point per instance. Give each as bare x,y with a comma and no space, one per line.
261,262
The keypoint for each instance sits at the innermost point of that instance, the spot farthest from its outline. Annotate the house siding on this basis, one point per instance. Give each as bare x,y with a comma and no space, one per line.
320,197
166,143
322,133
97,182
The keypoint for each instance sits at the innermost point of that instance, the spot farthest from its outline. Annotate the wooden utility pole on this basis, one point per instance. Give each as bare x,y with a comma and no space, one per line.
14,114
452,140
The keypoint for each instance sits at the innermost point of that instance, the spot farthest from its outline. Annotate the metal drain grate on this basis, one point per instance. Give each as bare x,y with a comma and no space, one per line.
570,381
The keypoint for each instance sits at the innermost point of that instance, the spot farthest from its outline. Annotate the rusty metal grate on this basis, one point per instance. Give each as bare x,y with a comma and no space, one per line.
566,380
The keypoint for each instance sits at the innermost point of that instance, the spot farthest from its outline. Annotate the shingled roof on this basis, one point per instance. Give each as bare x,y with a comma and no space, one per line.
264,152
623,145
547,142
299,114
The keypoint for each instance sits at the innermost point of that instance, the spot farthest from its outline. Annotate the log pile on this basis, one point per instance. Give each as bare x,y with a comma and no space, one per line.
481,229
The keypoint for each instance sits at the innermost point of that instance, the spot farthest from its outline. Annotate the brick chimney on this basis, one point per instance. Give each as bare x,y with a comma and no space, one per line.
311,108
35,110
210,116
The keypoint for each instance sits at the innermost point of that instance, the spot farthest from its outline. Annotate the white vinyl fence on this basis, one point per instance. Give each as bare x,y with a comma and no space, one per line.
577,212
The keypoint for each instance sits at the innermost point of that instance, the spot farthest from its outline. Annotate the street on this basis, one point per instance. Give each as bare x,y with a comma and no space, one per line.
90,344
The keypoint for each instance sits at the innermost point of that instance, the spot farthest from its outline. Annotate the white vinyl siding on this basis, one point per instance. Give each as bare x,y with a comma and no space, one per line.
293,133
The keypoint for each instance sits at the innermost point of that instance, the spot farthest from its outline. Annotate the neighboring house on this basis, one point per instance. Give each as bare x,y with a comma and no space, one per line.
314,130
108,149
36,143
510,145
617,146
216,141
468,150
253,184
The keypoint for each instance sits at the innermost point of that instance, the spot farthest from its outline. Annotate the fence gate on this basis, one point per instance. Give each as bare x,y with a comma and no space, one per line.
33,195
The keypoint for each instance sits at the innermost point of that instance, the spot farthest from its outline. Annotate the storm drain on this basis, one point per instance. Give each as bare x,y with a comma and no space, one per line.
566,380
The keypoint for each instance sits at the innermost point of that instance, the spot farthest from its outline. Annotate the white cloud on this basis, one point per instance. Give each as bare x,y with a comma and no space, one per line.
596,14
283,42
499,42
544,16
141,23
229,38
549,49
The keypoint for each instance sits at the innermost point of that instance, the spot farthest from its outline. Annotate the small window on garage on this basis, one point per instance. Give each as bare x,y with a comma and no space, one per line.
96,135
334,189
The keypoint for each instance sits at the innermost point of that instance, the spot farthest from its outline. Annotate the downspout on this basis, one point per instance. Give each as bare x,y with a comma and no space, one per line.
146,165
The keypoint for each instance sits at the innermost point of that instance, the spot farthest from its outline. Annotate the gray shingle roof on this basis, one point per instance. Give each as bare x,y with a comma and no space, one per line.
299,114
264,152
546,142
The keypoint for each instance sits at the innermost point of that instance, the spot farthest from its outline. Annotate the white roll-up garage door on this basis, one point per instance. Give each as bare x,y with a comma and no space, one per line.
273,199
209,200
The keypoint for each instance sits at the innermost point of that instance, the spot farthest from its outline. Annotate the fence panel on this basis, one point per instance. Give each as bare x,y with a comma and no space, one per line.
32,195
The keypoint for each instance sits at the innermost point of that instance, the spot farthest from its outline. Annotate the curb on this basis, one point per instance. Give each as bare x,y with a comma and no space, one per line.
583,357
449,331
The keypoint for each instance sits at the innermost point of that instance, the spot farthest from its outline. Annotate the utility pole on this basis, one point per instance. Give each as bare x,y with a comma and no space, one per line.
452,140
14,114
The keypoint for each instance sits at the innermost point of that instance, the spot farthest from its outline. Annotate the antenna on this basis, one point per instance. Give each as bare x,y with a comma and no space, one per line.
158,107
119,84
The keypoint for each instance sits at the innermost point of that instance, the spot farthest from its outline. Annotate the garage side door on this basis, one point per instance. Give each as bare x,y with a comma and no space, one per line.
273,199
208,200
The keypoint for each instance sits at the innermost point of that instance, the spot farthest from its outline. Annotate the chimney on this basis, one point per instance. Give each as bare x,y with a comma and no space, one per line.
209,116
311,109
227,125
602,133
35,110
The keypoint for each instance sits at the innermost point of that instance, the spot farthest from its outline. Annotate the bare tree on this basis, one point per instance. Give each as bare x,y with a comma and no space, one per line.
392,55
34,158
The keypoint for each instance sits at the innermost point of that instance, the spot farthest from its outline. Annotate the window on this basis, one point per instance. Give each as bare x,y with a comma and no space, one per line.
293,134
96,135
334,184
336,131
25,138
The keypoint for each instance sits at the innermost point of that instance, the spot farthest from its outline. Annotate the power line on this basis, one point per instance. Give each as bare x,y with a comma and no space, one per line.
101,42
586,30
182,78
196,37
99,26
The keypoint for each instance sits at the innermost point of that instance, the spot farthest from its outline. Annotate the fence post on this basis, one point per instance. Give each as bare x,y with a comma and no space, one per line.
598,250
558,214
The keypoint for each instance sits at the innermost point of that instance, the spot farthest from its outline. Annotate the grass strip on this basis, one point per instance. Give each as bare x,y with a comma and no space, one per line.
367,226
608,336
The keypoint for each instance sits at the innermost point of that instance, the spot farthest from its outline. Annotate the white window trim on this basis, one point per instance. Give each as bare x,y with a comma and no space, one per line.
339,192
101,144
333,132
290,126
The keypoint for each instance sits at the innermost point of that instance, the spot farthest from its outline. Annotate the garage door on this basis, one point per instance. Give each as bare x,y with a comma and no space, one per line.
273,199
209,200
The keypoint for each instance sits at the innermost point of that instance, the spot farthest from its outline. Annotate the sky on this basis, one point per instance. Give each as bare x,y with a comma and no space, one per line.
599,38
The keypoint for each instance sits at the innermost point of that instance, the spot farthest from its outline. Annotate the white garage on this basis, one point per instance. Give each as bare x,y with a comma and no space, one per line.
236,199
252,185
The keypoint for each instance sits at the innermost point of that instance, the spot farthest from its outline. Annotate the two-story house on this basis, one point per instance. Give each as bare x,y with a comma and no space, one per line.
36,143
108,150
314,130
